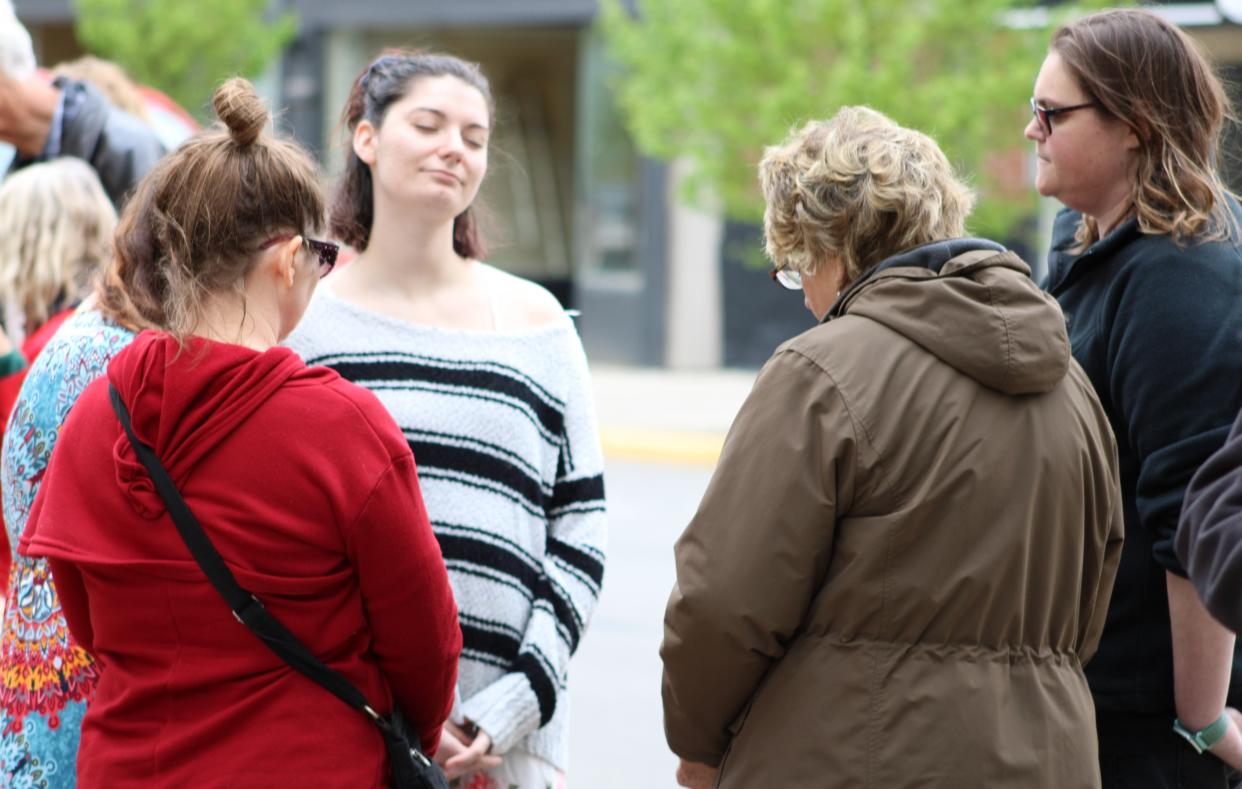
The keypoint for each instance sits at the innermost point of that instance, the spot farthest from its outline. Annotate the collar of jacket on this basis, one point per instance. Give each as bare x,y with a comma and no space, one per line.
1064,265
931,256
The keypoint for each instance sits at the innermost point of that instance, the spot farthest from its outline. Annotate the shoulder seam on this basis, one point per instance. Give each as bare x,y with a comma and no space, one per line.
855,423
362,416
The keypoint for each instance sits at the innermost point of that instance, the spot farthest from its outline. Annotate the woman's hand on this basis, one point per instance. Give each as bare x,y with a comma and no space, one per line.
450,744
472,752
696,775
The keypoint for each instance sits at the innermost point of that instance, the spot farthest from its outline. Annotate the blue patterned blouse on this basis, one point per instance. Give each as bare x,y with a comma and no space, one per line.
45,677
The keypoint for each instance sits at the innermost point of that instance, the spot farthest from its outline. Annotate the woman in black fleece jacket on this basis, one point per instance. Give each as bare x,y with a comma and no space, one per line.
1146,267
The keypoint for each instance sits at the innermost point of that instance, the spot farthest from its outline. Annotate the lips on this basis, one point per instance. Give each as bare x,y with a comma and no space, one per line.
446,175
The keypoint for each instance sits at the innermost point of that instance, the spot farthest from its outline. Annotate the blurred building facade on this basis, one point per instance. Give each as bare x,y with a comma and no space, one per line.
570,202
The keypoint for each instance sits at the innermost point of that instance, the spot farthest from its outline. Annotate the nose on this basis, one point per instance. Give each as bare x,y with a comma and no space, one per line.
453,147
1034,131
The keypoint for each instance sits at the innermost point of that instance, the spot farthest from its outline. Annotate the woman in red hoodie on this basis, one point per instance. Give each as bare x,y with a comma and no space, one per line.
300,479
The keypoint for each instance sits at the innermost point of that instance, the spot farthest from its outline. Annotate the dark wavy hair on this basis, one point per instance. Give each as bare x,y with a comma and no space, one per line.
383,83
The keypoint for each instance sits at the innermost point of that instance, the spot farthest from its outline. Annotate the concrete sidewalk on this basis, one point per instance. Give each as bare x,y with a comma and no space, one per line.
667,416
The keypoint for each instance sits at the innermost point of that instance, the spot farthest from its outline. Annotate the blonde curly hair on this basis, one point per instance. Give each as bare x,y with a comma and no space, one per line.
58,225
857,186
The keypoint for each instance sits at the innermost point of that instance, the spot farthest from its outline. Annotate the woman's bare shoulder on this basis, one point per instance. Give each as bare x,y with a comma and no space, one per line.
523,304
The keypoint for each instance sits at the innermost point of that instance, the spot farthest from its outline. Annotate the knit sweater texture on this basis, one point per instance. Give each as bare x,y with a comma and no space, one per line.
502,427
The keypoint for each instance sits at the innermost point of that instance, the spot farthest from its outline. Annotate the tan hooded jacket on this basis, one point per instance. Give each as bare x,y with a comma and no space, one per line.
906,552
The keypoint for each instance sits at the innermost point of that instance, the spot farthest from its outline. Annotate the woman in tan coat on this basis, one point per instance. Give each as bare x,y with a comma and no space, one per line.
904,557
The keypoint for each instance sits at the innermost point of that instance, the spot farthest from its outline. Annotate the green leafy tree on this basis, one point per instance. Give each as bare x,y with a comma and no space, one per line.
185,48
715,81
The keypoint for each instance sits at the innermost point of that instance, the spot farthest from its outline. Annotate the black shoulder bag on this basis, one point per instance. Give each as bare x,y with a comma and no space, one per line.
411,769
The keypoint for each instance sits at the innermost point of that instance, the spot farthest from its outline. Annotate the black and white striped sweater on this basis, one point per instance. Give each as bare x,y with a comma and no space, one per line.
504,436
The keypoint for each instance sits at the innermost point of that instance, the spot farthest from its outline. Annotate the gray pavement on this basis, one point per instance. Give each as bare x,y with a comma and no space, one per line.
661,432
617,737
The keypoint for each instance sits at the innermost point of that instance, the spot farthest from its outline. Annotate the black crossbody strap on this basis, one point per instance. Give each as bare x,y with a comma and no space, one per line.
246,607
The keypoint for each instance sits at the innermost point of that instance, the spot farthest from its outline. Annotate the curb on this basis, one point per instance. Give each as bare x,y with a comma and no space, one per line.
661,446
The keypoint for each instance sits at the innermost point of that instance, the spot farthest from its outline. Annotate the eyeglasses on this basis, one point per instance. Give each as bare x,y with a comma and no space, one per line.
1045,114
326,250
786,277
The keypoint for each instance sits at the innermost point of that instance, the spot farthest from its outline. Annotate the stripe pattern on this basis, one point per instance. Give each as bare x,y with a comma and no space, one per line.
502,429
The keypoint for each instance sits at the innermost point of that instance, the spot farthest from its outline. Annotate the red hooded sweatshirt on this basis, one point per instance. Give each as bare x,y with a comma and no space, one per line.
309,492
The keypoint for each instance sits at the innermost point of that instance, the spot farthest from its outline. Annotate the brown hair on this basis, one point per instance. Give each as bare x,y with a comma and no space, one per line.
197,219
1147,73
858,186
383,83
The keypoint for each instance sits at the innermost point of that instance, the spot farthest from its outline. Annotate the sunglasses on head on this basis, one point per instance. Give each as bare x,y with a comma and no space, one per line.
326,250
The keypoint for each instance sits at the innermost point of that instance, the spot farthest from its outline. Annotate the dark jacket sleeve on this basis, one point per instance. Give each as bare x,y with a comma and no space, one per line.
1209,538
408,600
1175,374
120,147
756,553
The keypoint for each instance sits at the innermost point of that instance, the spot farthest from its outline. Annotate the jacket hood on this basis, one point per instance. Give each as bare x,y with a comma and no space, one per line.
184,401
972,304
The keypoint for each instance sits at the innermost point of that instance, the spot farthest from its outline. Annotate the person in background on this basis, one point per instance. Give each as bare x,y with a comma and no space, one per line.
170,122
904,556
486,376
65,117
109,79
216,250
59,234
1146,265
45,677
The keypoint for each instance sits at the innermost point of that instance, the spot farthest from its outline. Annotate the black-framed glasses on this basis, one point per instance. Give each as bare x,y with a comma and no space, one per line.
326,250
1045,114
786,277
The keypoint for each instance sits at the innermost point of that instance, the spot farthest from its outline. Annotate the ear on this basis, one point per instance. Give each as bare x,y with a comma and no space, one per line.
364,142
1140,130
842,275
286,259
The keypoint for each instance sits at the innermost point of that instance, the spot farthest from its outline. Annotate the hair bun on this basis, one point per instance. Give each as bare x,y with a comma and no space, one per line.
241,110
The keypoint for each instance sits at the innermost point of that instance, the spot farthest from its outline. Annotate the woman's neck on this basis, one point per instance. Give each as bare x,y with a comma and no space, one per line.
229,320
1115,204
1107,221
405,254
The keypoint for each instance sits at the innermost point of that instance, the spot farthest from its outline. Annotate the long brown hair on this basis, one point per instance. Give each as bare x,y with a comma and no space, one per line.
380,85
1146,72
197,219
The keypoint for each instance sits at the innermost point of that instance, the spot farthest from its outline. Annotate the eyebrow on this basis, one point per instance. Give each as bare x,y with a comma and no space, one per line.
442,115
1053,104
